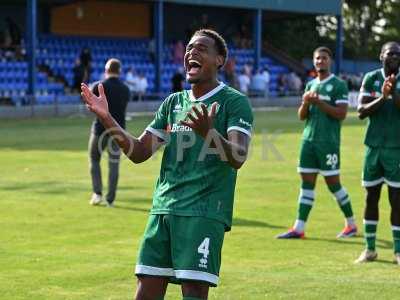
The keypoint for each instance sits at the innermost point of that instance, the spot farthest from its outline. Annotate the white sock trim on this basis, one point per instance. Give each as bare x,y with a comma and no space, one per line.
369,235
305,201
370,222
299,225
340,194
307,193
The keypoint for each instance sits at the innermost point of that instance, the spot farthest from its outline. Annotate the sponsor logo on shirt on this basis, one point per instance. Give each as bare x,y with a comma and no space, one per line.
377,83
177,108
180,128
244,122
329,87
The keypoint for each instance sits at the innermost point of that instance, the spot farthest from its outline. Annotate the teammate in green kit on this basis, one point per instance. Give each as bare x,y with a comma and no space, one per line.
323,108
380,101
206,132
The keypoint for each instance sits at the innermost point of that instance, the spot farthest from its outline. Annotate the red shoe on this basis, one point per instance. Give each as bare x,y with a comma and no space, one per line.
291,234
348,231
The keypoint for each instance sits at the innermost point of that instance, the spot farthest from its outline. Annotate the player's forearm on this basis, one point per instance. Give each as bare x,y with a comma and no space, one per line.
130,145
365,109
231,152
332,111
303,111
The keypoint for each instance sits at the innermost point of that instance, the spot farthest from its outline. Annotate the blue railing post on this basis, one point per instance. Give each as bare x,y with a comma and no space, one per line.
30,38
339,45
257,30
159,42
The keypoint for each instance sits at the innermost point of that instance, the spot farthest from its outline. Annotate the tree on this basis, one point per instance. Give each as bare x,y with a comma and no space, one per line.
367,25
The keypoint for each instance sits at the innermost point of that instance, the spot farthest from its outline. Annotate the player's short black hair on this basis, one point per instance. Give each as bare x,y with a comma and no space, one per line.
324,49
219,41
389,45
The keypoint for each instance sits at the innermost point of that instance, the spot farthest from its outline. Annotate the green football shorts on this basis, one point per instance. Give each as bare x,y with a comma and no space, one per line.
381,165
320,158
181,248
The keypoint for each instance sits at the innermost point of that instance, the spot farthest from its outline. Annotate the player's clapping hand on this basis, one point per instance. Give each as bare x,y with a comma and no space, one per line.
388,85
310,97
96,104
201,121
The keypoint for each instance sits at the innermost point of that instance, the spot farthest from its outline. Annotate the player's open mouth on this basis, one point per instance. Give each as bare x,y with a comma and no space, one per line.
193,67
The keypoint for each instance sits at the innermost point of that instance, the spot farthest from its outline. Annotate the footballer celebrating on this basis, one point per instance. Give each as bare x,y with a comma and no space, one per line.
206,132
324,106
380,101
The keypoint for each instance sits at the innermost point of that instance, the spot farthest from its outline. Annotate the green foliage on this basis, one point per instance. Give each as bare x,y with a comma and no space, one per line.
367,25
289,35
55,246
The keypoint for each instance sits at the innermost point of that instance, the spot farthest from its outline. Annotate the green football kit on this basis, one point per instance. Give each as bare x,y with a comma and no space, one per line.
320,149
382,139
194,194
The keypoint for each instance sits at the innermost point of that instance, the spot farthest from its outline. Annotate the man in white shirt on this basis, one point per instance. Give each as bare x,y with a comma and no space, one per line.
244,82
141,86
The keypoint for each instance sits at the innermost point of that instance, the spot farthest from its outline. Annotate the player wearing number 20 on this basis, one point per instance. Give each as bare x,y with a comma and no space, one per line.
324,106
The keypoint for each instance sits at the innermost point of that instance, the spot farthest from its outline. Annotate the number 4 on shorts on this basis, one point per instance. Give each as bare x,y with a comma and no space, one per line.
203,248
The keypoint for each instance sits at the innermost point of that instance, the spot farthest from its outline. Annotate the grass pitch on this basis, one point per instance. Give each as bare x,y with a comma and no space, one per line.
53,245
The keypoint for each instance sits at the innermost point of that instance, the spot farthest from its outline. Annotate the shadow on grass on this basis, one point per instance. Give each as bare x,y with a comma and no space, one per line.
132,187
134,200
353,241
138,209
252,223
51,187
384,261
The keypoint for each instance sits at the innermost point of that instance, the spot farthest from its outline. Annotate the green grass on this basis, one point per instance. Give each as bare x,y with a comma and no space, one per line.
53,245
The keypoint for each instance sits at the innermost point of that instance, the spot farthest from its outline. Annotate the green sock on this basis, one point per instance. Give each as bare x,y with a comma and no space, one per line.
343,199
370,233
306,200
191,298
396,238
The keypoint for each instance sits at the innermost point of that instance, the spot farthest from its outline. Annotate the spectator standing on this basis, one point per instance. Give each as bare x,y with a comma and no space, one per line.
177,81
79,74
229,72
14,32
152,51
86,61
100,139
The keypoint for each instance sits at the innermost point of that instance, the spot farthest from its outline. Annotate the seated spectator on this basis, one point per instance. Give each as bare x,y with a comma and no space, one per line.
295,84
282,84
259,83
267,78
179,52
141,86
131,80
244,82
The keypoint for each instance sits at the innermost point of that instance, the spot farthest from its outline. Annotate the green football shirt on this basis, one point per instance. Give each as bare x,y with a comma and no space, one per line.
383,128
194,180
320,127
